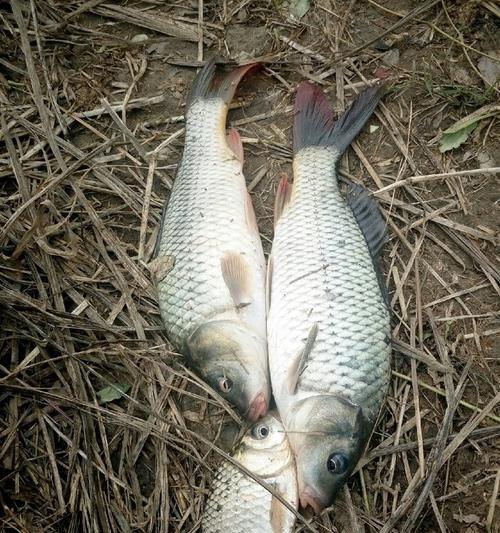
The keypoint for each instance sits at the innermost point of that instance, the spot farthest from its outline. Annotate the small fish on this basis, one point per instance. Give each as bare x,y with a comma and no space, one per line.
209,265
328,322
237,503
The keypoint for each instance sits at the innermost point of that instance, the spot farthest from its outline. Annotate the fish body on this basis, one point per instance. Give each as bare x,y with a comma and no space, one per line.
239,504
210,266
328,323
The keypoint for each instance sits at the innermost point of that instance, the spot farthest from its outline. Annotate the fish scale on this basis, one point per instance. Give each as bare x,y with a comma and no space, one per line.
237,504
336,287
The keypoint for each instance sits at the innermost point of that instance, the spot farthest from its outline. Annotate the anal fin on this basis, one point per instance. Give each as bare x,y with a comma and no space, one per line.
250,216
234,142
282,199
237,278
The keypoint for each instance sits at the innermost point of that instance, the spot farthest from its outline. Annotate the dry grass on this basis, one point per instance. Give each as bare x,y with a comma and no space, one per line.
91,132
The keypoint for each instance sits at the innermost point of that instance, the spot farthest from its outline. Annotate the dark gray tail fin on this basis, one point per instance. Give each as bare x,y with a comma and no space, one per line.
314,123
214,82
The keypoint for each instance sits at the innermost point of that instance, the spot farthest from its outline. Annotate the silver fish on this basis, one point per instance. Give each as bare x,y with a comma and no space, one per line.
328,323
237,503
210,267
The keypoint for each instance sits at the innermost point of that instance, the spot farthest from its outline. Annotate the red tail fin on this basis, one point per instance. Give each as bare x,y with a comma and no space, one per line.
314,124
213,82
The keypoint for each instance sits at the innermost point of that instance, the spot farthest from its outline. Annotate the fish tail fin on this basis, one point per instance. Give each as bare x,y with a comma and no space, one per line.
214,82
314,122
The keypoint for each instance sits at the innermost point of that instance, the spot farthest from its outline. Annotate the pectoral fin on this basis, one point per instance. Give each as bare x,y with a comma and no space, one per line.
298,363
237,278
277,515
269,282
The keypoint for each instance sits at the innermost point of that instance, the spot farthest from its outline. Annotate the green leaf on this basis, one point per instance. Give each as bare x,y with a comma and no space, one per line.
455,138
427,334
298,8
113,392
457,134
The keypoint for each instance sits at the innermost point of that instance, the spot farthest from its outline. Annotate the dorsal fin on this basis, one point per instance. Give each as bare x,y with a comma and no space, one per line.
368,217
372,225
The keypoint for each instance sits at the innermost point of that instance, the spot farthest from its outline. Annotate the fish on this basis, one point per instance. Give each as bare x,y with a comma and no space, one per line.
209,264
239,504
328,320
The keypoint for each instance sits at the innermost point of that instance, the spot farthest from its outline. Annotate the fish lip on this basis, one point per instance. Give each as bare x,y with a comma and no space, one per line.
308,496
258,407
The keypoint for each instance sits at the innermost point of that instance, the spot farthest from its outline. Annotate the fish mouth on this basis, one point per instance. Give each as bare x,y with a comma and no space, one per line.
258,407
308,497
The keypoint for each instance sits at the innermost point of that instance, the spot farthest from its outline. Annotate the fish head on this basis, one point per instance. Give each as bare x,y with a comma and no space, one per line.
328,435
264,449
233,360
264,452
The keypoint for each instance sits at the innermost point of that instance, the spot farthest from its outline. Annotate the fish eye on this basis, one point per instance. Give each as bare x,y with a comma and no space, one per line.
337,463
260,431
225,385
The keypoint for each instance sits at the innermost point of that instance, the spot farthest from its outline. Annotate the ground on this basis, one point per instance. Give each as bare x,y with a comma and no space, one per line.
102,427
